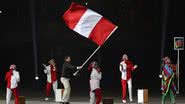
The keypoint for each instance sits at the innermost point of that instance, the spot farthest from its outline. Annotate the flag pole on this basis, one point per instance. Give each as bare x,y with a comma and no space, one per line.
94,52
177,71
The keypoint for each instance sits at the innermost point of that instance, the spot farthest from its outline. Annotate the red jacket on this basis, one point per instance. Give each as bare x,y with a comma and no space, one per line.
8,78
129,69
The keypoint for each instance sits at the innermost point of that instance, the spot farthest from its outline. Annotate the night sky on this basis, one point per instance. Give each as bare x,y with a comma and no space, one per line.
139,35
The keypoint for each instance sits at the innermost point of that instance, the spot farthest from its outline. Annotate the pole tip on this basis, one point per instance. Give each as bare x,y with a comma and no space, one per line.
36,78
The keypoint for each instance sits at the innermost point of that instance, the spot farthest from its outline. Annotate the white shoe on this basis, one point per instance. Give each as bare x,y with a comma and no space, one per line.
124,101
46,99
131,100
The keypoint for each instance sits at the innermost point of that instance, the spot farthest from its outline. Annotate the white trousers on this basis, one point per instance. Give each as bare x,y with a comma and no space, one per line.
129,82
67,89
92,97
55,86
8,95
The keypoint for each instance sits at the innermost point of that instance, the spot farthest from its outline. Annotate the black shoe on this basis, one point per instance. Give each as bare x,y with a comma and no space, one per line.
66,103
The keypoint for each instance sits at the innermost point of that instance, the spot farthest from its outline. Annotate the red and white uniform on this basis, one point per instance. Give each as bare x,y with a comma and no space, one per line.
95,90
12,78
126,68
50,71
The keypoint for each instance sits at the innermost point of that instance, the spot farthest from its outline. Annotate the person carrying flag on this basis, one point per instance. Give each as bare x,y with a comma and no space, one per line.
67,71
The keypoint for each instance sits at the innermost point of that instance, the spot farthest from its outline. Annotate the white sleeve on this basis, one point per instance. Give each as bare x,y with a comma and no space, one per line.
17,77
120,67
96,75
99,76
44,65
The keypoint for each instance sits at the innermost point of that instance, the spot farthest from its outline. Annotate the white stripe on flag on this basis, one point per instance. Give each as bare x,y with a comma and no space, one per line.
87,22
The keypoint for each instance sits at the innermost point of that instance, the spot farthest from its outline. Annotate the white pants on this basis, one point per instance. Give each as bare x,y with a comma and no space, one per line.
55,86
129,82
9,94
67,89
92,97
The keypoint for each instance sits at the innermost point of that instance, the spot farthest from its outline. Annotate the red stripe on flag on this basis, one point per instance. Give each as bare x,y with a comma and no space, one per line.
101,31
73,15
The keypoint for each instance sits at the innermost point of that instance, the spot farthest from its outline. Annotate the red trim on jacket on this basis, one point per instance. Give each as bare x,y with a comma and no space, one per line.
53,74
8,78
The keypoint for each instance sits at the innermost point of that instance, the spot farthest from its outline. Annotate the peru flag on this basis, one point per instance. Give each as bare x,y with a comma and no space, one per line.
88,23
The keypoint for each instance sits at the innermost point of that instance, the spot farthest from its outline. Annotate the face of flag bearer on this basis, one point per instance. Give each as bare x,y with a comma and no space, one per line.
68,59
125,57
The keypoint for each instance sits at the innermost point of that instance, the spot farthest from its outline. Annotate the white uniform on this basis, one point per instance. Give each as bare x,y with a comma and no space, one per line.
47,71
95,78
54,83
123,70
15,78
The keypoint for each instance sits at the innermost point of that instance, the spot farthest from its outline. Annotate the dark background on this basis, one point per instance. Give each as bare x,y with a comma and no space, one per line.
139,35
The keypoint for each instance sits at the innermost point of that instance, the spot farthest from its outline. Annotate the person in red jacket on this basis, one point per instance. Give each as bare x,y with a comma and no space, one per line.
51,73
12,78
126,69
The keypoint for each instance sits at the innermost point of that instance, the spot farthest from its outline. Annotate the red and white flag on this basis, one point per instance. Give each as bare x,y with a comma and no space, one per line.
88,23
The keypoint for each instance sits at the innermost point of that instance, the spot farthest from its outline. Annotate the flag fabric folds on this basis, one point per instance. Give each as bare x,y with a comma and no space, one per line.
88,23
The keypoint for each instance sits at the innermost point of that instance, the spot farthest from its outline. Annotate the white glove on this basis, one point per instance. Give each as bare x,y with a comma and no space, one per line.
135,66
160,76
45,71
44,65
79,67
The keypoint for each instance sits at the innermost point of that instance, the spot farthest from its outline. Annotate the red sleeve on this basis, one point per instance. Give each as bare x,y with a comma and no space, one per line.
174,67
90,67
8,74
130,65
6,77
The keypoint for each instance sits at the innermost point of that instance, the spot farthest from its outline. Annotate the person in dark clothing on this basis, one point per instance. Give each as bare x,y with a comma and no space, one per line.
67,70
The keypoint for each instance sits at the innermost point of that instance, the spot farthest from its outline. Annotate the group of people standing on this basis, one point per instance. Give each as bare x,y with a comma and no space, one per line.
67,70
126,68
51,72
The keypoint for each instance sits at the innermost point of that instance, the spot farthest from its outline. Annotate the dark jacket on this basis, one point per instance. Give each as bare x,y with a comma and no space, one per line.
67,70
